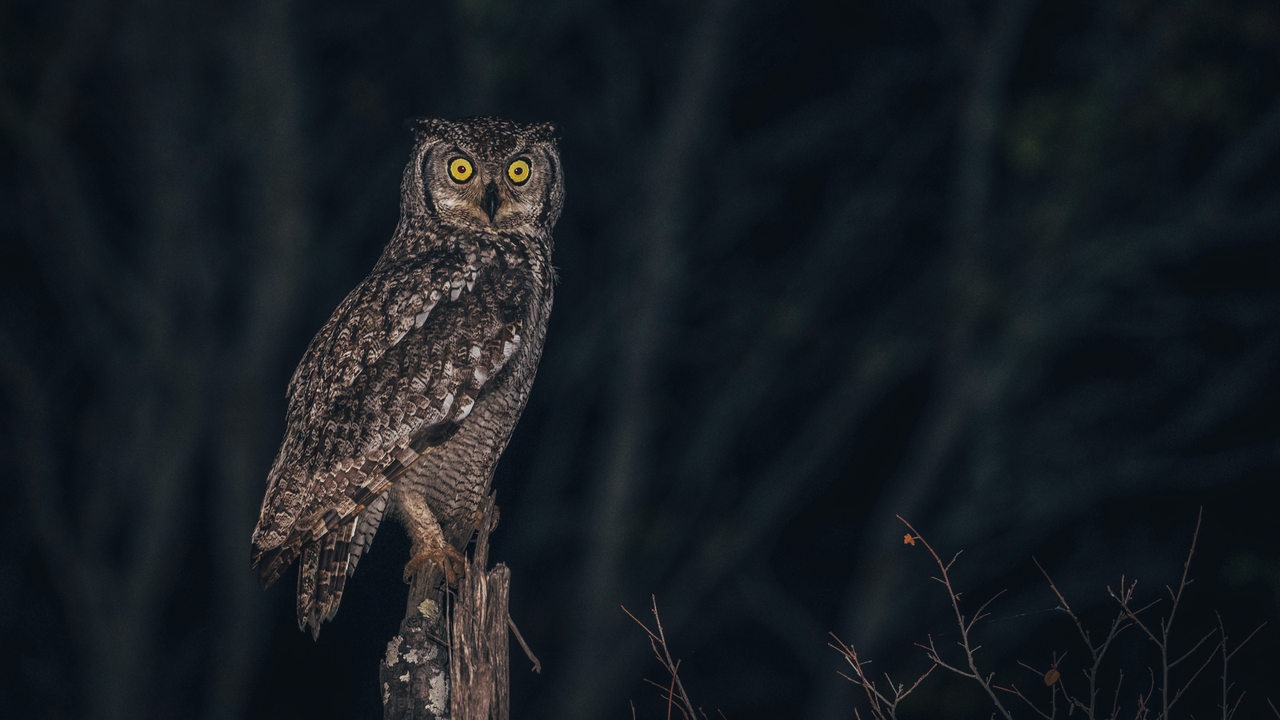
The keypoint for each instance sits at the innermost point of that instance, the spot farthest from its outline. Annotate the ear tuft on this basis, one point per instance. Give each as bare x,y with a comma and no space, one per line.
431,127
545,132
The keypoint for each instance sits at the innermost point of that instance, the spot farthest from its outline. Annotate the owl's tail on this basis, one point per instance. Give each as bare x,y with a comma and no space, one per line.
270,563
322,575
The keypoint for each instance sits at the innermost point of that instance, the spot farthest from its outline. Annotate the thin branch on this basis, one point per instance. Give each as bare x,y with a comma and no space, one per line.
970,651
1169,696
537,664
882,706
674,692
1230,707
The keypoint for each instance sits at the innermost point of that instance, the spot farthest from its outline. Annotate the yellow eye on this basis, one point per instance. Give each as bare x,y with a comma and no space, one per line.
518,171
460,169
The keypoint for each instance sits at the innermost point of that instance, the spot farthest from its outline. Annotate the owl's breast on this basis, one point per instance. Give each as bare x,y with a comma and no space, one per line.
515,301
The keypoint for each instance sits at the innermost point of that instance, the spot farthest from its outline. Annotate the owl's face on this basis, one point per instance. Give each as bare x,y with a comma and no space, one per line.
488,174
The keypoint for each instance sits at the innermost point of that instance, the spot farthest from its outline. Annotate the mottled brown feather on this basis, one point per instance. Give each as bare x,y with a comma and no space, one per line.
422,371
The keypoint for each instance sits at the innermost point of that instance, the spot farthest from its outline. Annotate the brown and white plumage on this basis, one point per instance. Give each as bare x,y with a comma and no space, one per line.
407,396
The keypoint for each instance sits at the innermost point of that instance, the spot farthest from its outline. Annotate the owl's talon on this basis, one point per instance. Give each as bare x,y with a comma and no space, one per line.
448,559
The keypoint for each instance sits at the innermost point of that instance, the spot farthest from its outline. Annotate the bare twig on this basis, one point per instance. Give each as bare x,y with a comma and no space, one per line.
673,692
883,706
537,664
1168,681
1097,652
1229,706
1159,636
966,625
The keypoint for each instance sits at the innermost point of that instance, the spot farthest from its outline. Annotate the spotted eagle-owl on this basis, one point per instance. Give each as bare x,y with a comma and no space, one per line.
406,397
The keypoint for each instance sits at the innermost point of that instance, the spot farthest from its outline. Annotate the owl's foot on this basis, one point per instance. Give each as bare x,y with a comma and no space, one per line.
446,557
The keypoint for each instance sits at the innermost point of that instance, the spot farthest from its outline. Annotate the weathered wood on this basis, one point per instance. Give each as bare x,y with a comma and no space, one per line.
414,675
452,662
480,662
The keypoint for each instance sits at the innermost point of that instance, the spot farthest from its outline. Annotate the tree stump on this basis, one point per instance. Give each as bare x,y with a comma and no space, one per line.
452,662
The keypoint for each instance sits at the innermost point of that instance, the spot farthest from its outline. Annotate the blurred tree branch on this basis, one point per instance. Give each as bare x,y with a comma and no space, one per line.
997,262
111,492
651,232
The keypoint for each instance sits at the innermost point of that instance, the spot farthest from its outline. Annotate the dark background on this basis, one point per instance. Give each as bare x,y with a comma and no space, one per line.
1009,269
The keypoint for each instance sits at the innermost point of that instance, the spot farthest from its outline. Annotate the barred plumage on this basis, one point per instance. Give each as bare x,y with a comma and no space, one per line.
407,396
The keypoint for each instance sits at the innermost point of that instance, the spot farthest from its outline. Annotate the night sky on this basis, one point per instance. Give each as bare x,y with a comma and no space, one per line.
1008,270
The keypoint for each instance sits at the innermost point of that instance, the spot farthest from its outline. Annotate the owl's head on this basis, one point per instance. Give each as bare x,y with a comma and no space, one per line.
485,174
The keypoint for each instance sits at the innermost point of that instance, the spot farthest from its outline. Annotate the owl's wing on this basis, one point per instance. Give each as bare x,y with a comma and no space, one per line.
397,367
379,312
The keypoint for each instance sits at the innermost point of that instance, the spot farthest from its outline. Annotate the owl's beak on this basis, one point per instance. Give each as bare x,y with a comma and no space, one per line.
490,200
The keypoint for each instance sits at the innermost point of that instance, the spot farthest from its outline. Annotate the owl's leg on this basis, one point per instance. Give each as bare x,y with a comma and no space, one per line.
429,549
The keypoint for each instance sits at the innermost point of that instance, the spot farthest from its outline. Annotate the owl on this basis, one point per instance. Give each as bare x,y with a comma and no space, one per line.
406,397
